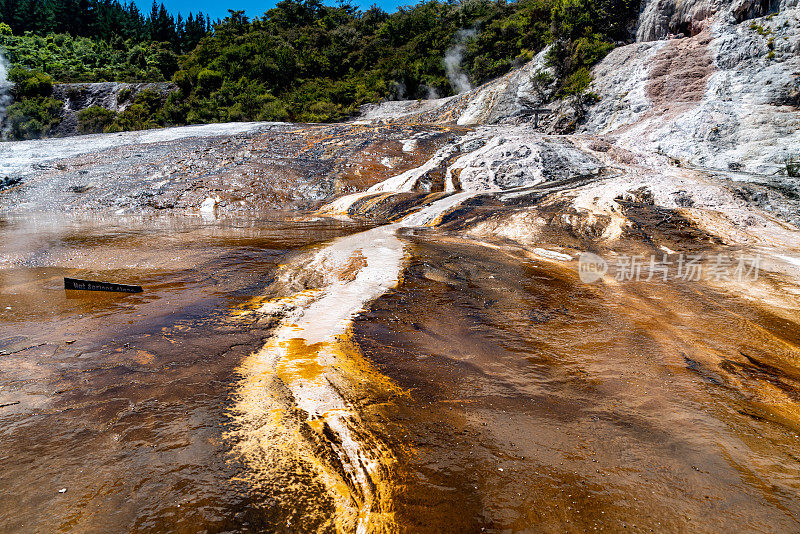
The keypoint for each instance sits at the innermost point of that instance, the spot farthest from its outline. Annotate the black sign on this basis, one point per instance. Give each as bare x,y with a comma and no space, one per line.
88,285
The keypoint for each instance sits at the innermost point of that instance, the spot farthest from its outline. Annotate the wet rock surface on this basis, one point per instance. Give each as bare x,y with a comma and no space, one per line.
391,316
384,325
270,167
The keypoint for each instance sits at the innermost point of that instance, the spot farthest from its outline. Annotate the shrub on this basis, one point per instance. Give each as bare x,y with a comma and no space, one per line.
30,83
32,118
183,80
577,82
208,81
761,30
95,119
274,111
146,112
583,33
135,117
124,95
165,61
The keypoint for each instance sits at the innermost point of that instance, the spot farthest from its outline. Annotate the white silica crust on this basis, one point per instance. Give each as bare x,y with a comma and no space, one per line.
18,157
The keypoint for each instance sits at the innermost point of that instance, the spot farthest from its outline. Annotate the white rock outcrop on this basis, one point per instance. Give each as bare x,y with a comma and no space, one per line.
660,19
725,96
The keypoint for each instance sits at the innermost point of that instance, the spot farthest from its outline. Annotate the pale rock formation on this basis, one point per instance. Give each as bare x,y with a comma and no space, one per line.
660,19
113,96
727,98
518,158
509,98
511,95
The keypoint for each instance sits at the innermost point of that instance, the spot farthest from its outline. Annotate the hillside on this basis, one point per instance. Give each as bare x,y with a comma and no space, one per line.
302,61
726,96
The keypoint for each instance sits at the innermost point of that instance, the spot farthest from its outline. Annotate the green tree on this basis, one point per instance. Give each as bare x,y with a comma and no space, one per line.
32,118
30,83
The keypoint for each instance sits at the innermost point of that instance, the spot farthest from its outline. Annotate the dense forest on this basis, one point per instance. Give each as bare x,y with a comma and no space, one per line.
301,61
104,20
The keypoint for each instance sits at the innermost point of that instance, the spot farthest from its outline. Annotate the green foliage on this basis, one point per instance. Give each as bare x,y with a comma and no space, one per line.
33,117
144,113
124,95
582,33
577,82
306,61
95,119
29,83
322,62
761,30
208,81
319,63
105,20
80,59
509,35
33,114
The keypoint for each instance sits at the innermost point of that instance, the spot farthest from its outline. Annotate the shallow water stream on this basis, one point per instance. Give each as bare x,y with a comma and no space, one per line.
419,357
120,399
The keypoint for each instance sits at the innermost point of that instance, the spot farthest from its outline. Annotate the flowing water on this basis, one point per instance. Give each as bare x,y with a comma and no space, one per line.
393,361
121,399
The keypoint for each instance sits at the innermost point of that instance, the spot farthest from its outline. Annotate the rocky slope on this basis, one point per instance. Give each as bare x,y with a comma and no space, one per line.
726,98
723,91
113,96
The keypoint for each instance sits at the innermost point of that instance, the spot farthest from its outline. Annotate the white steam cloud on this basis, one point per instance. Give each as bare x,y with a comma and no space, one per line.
5,92
452,62
430,93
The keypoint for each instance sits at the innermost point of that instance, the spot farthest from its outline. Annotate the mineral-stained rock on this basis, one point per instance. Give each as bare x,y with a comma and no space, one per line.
660,19
725,97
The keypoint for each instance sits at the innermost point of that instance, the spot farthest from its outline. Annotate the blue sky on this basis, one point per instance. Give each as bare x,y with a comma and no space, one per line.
253,8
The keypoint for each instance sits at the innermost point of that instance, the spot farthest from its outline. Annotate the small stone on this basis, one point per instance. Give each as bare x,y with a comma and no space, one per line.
62,490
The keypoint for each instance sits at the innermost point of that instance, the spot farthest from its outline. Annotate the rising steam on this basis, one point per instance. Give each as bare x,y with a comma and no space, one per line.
5,93
452,62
